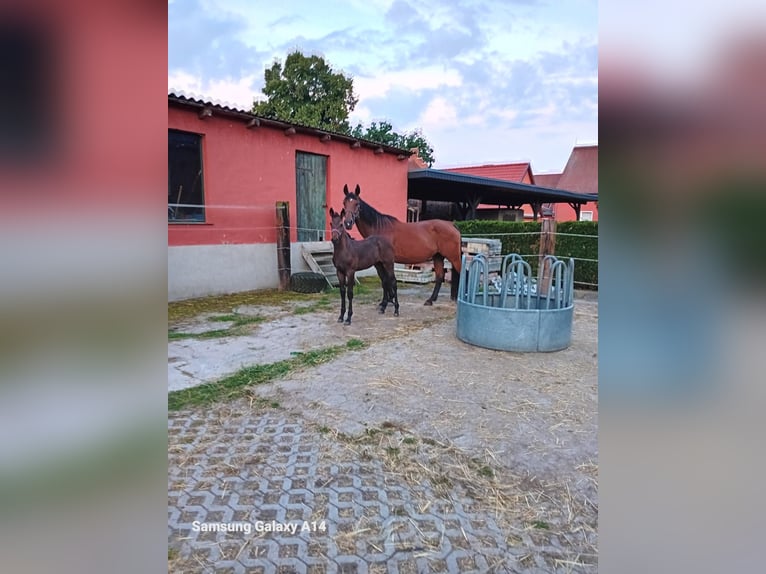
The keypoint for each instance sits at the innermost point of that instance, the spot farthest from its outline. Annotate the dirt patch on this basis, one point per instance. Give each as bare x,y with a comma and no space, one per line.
534,413
288,329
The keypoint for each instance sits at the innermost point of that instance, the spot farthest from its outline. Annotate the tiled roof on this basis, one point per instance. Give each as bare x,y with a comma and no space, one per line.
504,171
198,99
547,179
581,172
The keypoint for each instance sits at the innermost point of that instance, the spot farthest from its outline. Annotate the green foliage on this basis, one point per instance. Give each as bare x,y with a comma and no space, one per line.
383,132
523,237
307,91
580,248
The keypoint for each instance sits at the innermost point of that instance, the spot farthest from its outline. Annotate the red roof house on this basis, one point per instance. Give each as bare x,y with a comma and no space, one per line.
580,175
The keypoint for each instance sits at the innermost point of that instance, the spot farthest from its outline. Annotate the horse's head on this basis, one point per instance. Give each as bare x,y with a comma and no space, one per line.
336,223
351,205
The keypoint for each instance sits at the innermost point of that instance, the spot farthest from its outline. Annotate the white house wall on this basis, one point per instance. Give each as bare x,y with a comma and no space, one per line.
202,270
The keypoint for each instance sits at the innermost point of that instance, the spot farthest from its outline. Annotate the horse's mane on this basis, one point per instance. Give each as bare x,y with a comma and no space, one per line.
373,217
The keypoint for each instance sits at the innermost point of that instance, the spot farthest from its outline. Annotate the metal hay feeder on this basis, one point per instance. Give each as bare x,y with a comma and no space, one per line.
516,312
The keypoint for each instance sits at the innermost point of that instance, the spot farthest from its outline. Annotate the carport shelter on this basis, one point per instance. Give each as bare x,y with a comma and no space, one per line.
470,191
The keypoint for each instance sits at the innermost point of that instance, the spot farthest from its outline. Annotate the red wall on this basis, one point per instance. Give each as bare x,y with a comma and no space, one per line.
564,212
246,171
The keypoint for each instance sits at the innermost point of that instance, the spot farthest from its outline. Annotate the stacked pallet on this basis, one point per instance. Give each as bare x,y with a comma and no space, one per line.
489,248
414,273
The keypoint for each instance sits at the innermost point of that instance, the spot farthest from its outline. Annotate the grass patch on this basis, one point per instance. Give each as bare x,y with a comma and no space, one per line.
486,472
355,344
539,524
224,318
238,321
321,305
236,385
225,304
214,334
410,440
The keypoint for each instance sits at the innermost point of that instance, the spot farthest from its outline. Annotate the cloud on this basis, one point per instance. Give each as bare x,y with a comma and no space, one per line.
431,32
286,21
208,44
468,70
361,114
439,113
414,79
400,107
238,93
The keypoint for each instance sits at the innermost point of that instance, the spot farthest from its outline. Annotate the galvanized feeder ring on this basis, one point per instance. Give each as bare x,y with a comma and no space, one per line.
514,311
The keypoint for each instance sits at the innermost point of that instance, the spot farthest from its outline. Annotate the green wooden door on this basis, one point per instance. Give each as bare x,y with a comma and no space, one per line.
310,195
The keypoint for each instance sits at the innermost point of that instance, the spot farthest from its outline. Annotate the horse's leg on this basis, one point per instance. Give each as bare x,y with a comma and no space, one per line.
342,285
439,271
383,282
454,276
455,259
392,291
350,294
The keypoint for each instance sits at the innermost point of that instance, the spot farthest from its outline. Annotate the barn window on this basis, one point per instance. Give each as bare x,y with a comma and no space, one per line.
185,197
586,216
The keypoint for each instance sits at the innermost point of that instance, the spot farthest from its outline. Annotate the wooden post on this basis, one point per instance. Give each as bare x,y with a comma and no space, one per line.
547,247
474,200
536,207
283,244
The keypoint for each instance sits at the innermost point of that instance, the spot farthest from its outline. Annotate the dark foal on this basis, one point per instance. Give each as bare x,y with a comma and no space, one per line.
349,256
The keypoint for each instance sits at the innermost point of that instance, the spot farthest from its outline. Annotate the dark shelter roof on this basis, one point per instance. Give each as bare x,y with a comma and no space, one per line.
439,185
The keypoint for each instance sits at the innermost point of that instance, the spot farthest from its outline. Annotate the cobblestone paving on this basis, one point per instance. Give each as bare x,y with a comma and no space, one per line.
387,501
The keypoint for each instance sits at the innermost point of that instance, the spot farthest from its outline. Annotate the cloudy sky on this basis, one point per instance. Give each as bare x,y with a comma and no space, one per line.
486,82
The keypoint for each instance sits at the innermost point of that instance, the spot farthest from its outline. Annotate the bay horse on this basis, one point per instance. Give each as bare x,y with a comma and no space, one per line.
350,256
413,243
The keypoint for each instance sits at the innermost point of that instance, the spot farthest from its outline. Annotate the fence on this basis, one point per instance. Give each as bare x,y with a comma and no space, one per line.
578,240
575,239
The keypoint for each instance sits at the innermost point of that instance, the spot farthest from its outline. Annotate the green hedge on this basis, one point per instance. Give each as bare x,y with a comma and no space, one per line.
523,237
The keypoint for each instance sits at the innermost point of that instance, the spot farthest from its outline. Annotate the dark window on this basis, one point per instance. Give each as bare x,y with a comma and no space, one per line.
185,197
28,98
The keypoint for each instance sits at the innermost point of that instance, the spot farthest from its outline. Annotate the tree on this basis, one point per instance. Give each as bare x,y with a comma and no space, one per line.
384,133
307,91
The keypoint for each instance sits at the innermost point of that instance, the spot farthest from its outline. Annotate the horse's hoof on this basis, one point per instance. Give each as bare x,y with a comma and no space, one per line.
381,311
346,323
396,313
428,302
340,320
